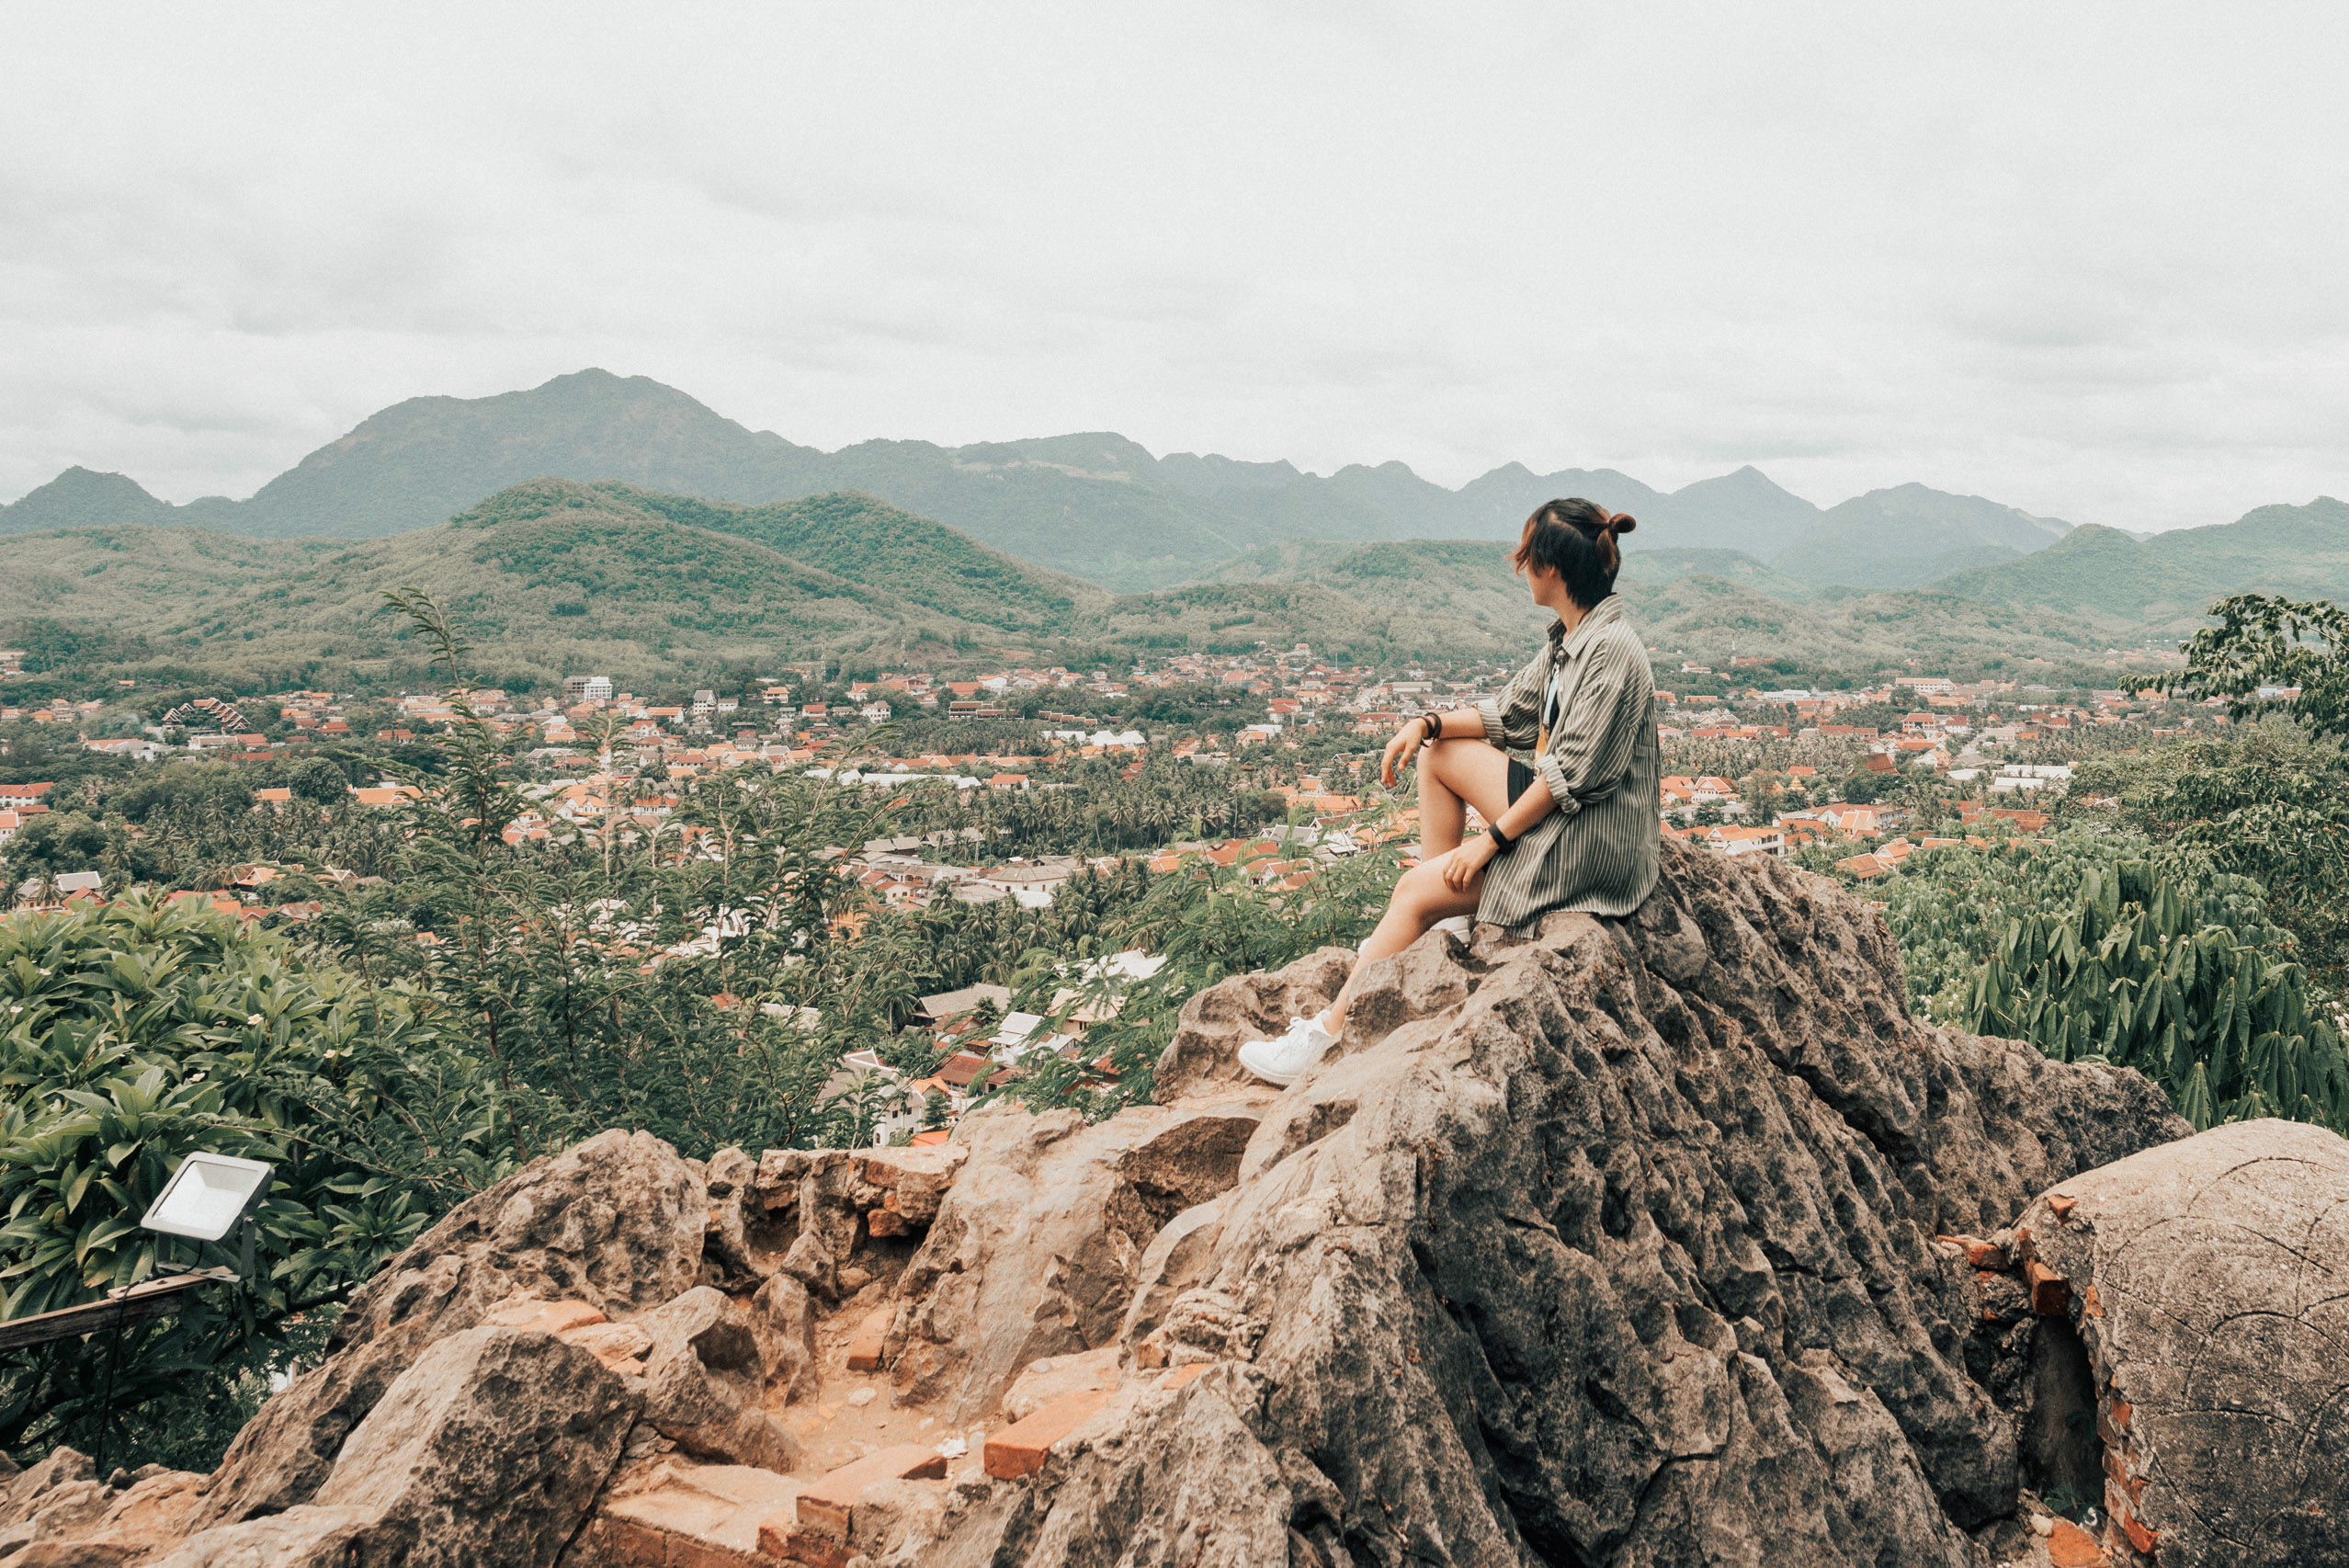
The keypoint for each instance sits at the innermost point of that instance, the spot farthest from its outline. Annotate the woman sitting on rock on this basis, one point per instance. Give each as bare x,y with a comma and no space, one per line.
1563,765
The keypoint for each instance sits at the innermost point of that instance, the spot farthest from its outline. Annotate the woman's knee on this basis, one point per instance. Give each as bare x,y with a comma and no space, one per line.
1475,770
1420,889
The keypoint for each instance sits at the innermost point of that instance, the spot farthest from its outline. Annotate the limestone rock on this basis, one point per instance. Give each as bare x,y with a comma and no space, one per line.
1201,1062
489,1449
62,1474
77,1523
1190,1484
745,1241
616,1221
705,1382
783,1321
306,1536
2205,1279
1603,1242
1644,1243
1036,1245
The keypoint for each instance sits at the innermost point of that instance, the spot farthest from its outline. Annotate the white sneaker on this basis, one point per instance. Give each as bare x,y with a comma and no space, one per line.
1458,925
1284,1060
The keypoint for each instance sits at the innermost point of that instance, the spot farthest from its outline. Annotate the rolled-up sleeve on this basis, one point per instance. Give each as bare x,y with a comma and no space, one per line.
1513,720
1590,749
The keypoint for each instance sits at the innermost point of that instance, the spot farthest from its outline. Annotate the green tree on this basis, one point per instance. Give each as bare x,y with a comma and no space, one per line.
317,781
2139,973
139,1032
2264,643
2265,803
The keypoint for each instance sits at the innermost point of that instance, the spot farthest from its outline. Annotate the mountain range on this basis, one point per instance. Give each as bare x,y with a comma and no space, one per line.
552,576
1096,506
615,522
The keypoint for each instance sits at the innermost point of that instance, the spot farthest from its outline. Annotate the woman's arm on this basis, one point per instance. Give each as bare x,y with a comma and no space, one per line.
1458,723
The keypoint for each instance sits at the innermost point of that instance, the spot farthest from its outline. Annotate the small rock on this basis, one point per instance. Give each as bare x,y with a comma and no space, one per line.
953,1448
862,1398
853,1280
2041,1525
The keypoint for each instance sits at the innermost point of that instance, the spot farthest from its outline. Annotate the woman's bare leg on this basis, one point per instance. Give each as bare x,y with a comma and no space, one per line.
1442,815
1453,775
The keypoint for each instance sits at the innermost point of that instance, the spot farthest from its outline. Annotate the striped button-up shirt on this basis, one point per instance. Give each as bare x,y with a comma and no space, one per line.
1597,852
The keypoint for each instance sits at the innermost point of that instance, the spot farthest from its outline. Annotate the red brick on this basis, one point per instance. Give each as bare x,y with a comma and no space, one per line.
637,1545
2139,1536
1989,1256
686,1552
2061,1207
2111,1430
2071,1547
2050,1291
794,1543
885,1221
824,1505
1022,1446
865,1344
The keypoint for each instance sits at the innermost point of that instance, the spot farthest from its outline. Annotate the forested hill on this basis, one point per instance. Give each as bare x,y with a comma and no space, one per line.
552,576
1096,506
2166,582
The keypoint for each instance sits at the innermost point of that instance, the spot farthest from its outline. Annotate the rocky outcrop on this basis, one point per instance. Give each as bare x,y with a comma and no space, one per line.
615,1222
2205,1281
1035,1248
1598,1243
705,1382
1643,1243
489,1448
59,1515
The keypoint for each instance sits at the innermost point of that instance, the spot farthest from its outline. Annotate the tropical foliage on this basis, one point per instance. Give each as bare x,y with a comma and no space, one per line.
2263,645
2139,975
140,1032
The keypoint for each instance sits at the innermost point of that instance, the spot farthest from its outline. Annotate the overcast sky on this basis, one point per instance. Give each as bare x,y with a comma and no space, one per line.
2087,260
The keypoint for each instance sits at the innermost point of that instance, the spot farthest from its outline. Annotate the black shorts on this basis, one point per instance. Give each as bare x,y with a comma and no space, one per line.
1519,776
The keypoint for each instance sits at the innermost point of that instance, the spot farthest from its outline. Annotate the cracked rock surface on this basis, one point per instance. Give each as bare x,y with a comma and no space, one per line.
2209,1282
1597,1243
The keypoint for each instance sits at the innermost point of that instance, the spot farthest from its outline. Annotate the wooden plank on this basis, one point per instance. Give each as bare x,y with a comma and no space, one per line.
155,1299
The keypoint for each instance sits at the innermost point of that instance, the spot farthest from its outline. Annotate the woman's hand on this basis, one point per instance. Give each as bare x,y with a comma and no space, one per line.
1400,750
1467,862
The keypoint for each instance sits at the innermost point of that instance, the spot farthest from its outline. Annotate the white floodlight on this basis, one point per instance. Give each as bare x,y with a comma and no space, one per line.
207,1196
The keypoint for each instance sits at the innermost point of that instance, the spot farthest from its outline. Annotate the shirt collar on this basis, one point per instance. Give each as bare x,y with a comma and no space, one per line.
1605,612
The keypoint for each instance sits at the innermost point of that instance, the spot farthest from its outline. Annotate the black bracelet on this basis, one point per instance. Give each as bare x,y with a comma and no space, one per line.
1501,842
1433,723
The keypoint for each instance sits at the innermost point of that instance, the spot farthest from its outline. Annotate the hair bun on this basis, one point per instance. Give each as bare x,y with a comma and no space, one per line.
1621,523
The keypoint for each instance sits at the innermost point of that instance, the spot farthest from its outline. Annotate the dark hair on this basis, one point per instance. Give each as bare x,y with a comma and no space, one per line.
1576,539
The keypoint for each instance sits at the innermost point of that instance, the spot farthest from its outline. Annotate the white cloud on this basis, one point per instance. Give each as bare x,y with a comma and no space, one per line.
2084,260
